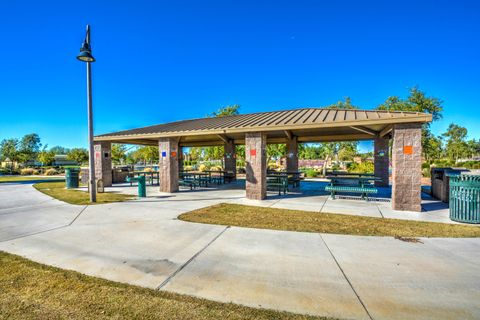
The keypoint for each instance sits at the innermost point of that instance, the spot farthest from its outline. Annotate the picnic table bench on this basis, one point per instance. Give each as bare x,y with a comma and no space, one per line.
294,177
278,183
149,176
350,184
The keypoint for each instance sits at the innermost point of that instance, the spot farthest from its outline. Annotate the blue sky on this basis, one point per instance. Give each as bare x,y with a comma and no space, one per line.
164,61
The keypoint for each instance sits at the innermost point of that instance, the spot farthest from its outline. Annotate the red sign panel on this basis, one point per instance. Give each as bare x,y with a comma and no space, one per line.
407,150
174,154
253,152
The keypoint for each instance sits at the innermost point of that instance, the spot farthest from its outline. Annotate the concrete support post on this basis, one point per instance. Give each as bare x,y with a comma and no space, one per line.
407,167
168,164
381,161
292,154
103,162
230,158
256,165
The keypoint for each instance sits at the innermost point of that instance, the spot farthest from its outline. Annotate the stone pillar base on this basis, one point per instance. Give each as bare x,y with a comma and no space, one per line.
168,164
256,165
292,154
103,162
407,167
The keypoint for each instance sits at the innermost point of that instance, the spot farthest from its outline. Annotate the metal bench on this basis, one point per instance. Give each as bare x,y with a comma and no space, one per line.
192,183
364,190
277,183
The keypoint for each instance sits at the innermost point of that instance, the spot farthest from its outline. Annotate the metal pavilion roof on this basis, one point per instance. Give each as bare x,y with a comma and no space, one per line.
300,121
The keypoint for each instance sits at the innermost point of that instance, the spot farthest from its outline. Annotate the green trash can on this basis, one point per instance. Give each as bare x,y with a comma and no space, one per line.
142,189
465,198
71,177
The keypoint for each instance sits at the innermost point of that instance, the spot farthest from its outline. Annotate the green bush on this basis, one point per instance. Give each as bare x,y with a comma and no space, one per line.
426,172
310,173
469,164
364,167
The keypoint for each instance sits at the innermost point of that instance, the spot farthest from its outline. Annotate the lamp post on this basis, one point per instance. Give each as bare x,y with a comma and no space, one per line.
85,55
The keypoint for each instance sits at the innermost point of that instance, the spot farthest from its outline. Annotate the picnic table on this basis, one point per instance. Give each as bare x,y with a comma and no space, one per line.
149,176
194,179
352,184
217,176
294,177
277,182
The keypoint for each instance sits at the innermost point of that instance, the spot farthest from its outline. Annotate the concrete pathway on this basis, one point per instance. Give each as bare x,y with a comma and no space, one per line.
142,242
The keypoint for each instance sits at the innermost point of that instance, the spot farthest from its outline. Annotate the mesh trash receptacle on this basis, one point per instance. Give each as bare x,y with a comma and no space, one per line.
465,198
71,177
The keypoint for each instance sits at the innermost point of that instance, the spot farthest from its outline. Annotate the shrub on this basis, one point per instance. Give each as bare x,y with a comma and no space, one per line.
50,172
364,167
426,172
148,170
310,173
202,167
216,168
187,168
28,171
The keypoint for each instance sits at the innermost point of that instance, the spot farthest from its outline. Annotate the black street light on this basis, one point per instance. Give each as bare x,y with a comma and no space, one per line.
85,55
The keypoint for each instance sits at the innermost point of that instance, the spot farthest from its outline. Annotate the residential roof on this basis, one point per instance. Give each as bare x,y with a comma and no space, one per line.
304,122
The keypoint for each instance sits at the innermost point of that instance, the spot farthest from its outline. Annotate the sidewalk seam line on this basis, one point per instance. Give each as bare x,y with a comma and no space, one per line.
323,205
380,211
170,277
44,231
346,278
78,215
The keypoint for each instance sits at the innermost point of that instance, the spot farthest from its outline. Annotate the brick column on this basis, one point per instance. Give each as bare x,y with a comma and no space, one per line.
292,154
230,158
381,161
256,165
407,167
168,164
103,162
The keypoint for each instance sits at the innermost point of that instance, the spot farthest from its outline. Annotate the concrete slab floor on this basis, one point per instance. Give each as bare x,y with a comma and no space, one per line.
141,242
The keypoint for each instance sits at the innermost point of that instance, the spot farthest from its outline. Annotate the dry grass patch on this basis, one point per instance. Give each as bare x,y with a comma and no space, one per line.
57,190
31,290
294,220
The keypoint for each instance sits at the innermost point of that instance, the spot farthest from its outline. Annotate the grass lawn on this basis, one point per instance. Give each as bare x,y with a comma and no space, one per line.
31,290
293,220
57,190
27,178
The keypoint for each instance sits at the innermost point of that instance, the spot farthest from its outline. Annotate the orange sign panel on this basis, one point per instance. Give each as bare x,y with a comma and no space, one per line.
253,152
407,150
174,154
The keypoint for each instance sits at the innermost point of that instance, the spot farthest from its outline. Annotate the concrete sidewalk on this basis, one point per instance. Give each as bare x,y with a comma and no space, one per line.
142,242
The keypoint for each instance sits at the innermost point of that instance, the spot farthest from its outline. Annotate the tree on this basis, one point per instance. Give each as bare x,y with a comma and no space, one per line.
79,155
46,157
226,111
59,150
146,154
347,104
456,146
214,153
276,151
119,153
9,149
418,101
29,147
473,148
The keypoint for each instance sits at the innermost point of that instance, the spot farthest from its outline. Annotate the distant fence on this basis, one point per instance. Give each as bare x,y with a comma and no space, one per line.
311,163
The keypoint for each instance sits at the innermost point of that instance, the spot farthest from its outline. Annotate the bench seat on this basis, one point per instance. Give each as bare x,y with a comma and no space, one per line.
365,191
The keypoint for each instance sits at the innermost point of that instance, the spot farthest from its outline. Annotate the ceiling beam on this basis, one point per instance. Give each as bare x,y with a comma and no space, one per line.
386,131
289,134
224,138
365,130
